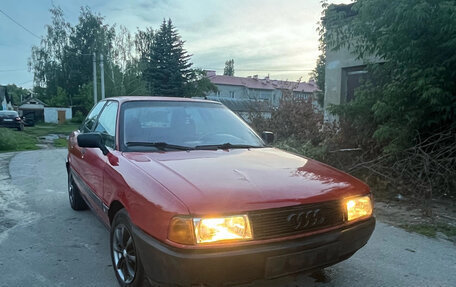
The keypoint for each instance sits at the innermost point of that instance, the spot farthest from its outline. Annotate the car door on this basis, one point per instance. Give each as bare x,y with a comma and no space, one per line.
75,152
87,163
106,126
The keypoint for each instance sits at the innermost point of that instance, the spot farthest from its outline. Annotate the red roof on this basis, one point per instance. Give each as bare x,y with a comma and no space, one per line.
263,84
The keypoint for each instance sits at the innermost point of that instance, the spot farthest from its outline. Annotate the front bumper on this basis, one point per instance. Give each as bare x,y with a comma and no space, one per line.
175,266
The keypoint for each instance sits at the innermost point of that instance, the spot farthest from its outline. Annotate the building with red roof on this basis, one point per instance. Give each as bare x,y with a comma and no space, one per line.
247,94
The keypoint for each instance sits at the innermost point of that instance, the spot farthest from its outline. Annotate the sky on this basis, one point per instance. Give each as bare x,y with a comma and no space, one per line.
267,37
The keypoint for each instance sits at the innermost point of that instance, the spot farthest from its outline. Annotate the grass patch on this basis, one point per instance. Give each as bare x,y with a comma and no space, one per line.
60,142
431,230
45,129
12,140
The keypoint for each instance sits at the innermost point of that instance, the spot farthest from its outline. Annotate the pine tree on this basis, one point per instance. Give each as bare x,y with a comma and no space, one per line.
169,67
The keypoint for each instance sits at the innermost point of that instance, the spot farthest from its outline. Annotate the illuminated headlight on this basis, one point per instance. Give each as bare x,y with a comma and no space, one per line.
358,207
187,230
222,228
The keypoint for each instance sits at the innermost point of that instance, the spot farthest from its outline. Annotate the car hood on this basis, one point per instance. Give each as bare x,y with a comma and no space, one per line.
239,180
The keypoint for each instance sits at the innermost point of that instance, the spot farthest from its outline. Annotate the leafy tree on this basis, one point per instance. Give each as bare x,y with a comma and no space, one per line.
319,74
319,71
88,36
229,68
144,41
60,99
62,63
199,85
16,92
47,60
168,67
413,92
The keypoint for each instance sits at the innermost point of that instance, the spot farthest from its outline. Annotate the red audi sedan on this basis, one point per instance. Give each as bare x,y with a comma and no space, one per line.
193,196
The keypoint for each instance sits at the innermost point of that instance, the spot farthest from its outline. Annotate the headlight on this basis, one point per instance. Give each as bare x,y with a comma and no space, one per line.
187,230
358,207
222,228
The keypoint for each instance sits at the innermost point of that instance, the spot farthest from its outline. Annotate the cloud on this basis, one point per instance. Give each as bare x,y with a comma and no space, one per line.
264,35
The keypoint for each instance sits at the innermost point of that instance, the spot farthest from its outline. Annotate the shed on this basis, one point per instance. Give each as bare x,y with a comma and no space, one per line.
57,115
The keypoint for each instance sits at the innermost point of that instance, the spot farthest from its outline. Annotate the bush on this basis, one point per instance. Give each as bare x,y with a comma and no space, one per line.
295,118
77,118
318,152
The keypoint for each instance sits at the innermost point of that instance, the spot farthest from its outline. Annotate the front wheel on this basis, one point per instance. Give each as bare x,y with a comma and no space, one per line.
76,200
125,257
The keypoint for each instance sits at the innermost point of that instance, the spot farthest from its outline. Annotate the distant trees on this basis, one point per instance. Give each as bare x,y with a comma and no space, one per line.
147,63
17,93
229,68
62,63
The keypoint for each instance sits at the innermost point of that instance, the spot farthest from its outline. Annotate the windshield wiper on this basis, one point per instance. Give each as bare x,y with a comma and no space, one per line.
160,145
225,146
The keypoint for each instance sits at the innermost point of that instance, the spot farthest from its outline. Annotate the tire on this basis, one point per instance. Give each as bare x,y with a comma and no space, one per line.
124,255
20,127
76,200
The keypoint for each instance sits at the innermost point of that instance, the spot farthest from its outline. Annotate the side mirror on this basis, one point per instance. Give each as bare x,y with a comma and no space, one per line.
268,137
92,140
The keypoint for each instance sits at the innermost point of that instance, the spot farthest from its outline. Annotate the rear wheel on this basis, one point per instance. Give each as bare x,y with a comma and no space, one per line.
76,200
125,257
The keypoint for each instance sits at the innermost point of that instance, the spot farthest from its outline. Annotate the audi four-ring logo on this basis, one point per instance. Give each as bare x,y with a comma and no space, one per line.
306,219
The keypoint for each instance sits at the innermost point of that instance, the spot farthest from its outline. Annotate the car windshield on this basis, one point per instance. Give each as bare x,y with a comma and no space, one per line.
180,125
8,113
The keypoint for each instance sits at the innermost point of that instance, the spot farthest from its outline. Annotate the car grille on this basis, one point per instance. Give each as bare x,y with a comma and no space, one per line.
291,220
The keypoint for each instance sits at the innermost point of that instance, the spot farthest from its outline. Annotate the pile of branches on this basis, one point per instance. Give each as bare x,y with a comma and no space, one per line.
427,169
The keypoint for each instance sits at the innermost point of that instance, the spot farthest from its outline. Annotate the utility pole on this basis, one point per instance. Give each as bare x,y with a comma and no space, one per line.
95,98
102,77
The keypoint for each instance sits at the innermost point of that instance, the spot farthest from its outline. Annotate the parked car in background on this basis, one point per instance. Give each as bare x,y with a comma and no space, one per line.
193,196
11,119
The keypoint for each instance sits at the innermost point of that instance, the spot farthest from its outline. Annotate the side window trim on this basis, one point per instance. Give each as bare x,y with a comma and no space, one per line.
81,129
115,124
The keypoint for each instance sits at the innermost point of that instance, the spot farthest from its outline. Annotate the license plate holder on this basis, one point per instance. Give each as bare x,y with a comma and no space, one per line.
281,265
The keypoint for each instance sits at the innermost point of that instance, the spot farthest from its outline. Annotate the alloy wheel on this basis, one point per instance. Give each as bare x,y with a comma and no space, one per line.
71,190
124,254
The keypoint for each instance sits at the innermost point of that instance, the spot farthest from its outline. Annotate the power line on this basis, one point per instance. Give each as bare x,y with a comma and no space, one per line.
20,25
13,70
25,82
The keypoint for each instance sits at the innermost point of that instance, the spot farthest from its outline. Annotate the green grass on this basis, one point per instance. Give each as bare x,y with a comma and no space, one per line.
12,140
431,230
60,142
45,129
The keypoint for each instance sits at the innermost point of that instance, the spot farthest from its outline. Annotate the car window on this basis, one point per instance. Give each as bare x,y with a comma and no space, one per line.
184,123
90,120
8,113
106,124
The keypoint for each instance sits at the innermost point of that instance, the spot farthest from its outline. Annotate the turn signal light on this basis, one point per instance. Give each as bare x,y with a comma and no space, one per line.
181,230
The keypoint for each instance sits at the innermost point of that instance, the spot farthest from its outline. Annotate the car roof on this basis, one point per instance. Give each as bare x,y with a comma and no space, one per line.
163,99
